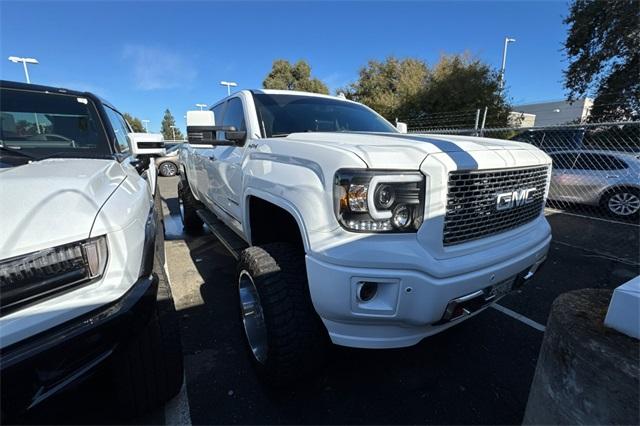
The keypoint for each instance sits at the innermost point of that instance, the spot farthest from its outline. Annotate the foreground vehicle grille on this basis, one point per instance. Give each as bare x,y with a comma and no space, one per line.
472,202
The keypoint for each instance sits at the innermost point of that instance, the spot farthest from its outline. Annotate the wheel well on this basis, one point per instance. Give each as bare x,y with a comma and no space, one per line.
613,189
270,223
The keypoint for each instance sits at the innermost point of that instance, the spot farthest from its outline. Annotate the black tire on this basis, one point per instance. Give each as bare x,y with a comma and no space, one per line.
296,338
148,370
630,194
188,206
168,168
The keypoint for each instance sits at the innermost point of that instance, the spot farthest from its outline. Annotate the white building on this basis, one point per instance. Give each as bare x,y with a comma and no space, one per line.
556,112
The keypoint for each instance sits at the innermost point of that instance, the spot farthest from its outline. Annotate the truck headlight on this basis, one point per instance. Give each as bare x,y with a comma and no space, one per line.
379,201
30,277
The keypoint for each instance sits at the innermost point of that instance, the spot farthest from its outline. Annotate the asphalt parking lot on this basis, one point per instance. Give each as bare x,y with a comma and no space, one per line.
476,373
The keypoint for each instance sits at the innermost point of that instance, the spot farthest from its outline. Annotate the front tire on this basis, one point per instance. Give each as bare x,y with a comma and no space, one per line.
148,370
167,169
285,337
623,203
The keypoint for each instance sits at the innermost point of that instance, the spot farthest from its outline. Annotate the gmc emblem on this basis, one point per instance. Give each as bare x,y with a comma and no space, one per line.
509,200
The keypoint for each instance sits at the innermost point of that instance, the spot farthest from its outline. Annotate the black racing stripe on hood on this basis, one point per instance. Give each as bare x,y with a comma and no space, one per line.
445,146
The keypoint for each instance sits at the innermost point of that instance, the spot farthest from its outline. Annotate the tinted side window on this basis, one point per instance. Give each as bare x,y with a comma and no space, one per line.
599,162
234,115
563,161
218,112
120,128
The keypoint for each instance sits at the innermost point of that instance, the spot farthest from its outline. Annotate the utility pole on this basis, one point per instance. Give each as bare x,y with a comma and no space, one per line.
24,61
229,85
173,129
146,125
507,40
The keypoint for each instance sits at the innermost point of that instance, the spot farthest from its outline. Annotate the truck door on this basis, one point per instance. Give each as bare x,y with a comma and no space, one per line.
225,164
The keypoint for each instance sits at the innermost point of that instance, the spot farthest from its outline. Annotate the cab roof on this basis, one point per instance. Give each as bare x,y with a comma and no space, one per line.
51,89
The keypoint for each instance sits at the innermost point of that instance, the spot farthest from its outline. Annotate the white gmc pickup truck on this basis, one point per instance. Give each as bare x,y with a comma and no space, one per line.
345,228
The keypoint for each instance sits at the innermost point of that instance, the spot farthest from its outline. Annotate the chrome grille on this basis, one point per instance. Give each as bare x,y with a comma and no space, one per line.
472,202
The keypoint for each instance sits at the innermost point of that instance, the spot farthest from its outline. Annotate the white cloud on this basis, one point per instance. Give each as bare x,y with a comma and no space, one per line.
155,68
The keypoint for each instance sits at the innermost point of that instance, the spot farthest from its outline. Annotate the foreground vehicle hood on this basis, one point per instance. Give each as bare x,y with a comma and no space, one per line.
52,202
396,150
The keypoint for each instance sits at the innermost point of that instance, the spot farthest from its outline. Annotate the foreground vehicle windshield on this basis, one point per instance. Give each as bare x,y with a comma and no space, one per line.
37,125
281,115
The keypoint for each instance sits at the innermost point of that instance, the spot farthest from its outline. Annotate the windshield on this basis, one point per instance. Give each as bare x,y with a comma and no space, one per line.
281,115
36,125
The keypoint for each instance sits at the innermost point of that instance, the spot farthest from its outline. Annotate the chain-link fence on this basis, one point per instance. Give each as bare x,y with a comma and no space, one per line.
596,167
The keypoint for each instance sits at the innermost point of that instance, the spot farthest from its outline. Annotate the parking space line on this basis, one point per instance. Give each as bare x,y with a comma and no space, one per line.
521,318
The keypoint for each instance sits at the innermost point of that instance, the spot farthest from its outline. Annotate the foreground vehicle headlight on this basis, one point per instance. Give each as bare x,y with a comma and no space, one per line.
379,201
27,278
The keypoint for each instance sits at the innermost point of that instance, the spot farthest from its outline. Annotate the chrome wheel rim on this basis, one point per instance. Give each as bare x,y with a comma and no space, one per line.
168,169
255,328
624,204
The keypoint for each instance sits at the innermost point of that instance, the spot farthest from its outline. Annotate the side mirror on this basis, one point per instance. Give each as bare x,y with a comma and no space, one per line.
146,144
402,127
201,130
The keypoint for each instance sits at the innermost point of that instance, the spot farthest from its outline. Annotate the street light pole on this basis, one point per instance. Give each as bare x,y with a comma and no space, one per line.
173,129
25,61
229,85
201,106
507,40
146,125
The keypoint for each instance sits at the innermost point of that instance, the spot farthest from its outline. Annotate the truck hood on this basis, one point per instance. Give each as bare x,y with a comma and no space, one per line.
402,151
52,202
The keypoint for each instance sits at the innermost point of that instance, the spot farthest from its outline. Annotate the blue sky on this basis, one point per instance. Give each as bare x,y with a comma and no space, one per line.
148,56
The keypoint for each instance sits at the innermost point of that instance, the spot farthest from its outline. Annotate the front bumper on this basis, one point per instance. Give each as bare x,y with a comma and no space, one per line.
409,304
41,366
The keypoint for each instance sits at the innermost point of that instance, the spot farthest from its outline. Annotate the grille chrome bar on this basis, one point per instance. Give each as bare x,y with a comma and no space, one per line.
471,211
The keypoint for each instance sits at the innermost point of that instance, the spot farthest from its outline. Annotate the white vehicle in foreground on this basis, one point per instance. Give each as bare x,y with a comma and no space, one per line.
81,253
347,229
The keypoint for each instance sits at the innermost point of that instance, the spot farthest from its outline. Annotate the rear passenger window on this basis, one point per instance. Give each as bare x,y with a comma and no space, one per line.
234,115
599,162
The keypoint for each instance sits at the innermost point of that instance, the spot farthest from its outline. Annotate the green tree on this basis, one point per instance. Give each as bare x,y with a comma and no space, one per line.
603,48
134,122
284,76
390,87
168,127
460,83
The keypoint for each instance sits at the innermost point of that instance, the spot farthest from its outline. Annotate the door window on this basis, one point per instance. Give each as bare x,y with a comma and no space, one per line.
120,129
234,115
564,160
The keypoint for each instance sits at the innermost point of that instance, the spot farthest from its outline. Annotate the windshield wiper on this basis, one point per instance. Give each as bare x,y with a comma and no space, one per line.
17,152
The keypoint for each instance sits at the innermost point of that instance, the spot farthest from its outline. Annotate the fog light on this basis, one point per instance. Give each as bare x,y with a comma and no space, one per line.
367,291
401,216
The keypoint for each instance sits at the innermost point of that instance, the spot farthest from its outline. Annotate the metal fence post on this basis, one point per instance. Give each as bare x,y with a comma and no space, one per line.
484,120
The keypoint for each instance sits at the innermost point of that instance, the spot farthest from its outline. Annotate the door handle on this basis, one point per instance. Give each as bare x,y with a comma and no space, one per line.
613,177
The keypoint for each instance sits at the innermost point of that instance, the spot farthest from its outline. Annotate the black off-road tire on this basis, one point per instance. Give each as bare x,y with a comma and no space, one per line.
297,339
148,370
190,220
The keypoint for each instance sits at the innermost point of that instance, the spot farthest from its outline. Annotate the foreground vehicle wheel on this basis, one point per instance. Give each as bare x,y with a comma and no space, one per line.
624,203
285,337
188,206
148,371
168,169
